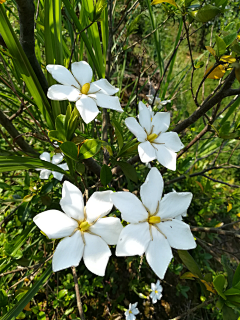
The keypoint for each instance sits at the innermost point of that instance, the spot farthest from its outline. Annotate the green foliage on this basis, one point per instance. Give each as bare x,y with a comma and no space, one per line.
105,175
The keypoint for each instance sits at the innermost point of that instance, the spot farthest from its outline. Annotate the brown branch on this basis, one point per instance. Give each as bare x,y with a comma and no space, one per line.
79,302
220,181
215,230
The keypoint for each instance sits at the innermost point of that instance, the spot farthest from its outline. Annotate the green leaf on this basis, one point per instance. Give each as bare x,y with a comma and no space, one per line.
206,13
62,293
227,268
219,283
230,38
221,46
236,277
105,175
128,170
80,168
70,150
236,48
60,124
89,148
228,313
133,26
220,304
55,135
15,311
190,263
118,132
232,292
3,298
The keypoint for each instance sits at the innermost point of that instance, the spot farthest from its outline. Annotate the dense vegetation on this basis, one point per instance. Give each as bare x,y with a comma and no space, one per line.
183,53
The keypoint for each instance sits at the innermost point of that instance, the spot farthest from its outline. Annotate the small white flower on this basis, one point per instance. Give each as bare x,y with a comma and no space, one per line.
153,228
157,101
156,143
76,86
131,312
56,159
84,232
156,293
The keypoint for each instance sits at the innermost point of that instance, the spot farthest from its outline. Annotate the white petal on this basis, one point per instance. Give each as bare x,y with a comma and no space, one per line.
104,86
96,254
151,190
62,75
106,101
161,122
68,253
55,224
44,174
146,152
63,166
72,201
58,175
136,129
99,205
159,253
82,72
150,98
171,141
178,234
174,204
60,92
133,240
57,158
108,229
130,206
166,157
134,305
45,156
144,116
135,311
87,108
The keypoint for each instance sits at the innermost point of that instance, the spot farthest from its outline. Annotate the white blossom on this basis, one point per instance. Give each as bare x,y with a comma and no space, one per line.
156,293
158,103
56,159
76,86
153,228
155,142
86,234
131,312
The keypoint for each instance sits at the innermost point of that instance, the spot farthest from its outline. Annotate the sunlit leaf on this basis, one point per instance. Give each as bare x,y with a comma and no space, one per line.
168,1
217,73
229,207
228,59
211,50
206,13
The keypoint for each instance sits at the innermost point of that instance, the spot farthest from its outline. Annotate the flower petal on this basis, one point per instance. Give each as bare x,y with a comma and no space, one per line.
106,101
178,233
133,240
62,75
87,108
82,72
130,206
72,201
45,156
55,224
159,253
44,174
57,158
68,253
58,175
104,86
144,116
174,204
166,157
60,92
161,122
63,166
136,129
151,190
171,141
99,205
146,152
108,229
96,254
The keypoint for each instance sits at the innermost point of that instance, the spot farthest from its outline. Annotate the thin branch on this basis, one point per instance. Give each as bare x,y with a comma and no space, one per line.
220,181
216,230
79,302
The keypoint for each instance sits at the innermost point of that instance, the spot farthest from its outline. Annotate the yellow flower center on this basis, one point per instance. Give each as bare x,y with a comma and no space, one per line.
156,291
154,219
85,88
151,137
130,311
84,226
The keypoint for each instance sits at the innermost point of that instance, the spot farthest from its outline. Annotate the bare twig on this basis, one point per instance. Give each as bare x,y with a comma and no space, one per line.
79,302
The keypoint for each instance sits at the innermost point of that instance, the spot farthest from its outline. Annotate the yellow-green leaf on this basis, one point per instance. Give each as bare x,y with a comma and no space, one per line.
217,73
228,59
168,1
229,207
211,50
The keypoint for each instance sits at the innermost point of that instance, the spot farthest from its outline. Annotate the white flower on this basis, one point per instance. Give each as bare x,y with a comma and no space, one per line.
131,312
156,143
157,101
84,231
76,86
56,159
156,293
153,228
